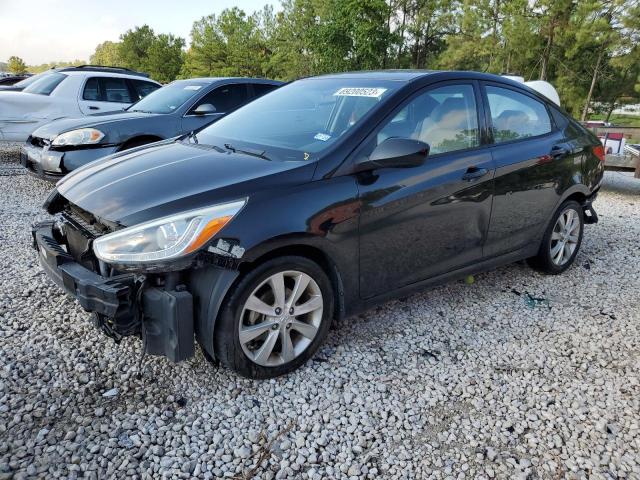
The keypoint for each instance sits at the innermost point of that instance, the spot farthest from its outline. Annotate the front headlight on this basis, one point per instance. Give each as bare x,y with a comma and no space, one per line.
82,136
167,238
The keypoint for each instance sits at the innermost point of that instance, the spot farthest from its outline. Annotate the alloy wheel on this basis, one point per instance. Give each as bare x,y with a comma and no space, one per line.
564,237
280,318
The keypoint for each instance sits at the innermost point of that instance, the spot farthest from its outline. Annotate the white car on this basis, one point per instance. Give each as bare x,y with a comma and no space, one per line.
83,90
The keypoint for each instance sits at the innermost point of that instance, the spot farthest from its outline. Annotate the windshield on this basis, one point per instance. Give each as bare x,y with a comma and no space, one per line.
46,84
168,98
302,118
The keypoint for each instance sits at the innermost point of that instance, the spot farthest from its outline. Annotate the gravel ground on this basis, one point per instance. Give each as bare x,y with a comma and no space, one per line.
518,375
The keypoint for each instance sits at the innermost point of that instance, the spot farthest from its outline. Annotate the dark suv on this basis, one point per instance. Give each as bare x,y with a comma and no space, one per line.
317,201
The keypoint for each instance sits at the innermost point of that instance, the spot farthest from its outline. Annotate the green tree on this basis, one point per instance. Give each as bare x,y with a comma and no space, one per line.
134,46
165,57
16,65
107,53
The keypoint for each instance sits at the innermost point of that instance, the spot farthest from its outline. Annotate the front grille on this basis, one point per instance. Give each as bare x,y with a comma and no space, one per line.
81,228
85,222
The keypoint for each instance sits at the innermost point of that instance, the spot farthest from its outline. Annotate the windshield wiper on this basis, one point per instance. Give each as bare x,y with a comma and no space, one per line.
253,153
141,111
192,136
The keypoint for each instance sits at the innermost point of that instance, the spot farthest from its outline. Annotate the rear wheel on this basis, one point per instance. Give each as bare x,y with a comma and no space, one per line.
562,240
275,318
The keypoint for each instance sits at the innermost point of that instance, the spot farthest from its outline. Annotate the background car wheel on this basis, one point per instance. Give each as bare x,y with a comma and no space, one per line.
561,241
275,318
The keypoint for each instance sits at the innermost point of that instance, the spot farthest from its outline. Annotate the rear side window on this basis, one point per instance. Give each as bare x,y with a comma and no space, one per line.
260,89
106,89
225,98
515,115
142,88
45,85
91,90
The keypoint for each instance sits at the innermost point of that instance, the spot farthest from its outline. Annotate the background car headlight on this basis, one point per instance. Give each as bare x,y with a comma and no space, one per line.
82,136
166,238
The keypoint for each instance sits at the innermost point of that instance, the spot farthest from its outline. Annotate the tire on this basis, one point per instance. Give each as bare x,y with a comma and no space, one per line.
249,356
549,259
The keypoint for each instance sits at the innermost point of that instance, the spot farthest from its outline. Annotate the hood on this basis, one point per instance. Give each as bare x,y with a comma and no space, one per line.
55,128
169,178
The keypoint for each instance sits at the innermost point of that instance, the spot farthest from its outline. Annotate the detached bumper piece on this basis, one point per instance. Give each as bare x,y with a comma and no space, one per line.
590,215
164,318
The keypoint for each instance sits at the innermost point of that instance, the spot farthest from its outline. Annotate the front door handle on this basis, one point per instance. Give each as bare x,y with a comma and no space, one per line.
558,151
93,107
474,173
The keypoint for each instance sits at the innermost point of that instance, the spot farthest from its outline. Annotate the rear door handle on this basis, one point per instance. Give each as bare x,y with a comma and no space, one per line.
474,173
558,151
93,107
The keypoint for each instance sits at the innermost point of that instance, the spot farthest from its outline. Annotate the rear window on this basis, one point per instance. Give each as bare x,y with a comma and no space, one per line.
260,89
46,84
143,88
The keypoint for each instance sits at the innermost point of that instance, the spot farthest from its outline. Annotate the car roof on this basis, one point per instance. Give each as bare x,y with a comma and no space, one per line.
398,75
411,75
86,73
209,80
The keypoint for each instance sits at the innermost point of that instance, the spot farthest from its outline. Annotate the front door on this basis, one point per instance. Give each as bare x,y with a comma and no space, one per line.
419,222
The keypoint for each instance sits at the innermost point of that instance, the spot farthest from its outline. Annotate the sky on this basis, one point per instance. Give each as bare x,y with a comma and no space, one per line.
42,31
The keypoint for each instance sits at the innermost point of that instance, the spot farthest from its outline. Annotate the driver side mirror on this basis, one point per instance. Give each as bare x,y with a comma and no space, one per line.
204,109
396,152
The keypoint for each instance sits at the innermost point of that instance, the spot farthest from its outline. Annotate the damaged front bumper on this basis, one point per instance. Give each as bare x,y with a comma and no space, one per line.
158,309
52,165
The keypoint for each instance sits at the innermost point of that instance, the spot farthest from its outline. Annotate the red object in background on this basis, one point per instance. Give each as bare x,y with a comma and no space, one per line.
598,151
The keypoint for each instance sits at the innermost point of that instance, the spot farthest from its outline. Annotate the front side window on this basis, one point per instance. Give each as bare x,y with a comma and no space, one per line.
446,118
46,84
225,98
515,115
302,118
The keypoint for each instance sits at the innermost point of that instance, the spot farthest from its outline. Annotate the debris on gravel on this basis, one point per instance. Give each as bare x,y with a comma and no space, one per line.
514,375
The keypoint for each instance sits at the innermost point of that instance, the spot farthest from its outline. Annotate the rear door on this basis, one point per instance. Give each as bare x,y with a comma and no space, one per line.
420,222
104,94
224,99
532,160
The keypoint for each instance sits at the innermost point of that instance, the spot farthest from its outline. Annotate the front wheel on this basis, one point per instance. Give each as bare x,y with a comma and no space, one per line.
275,318
561,241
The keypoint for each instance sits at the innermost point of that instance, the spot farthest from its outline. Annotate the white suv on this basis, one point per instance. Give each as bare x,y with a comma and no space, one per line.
69,92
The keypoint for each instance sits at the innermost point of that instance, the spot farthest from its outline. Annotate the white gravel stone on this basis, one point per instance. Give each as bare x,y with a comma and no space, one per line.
518,375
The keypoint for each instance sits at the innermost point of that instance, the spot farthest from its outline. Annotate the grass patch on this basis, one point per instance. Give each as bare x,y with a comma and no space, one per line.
619,120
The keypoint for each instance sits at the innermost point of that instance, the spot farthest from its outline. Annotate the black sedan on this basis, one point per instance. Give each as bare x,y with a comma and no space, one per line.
317,201
183,106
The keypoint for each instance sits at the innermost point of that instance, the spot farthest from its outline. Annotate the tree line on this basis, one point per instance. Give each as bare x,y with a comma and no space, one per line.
588,49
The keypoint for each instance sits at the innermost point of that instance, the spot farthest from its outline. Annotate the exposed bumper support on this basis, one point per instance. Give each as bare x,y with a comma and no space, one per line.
162,316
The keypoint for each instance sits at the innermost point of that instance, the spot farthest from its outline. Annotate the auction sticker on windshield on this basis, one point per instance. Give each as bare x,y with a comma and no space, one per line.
360,92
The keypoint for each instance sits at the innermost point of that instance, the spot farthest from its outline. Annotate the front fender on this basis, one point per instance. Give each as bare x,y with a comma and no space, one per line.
209,286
